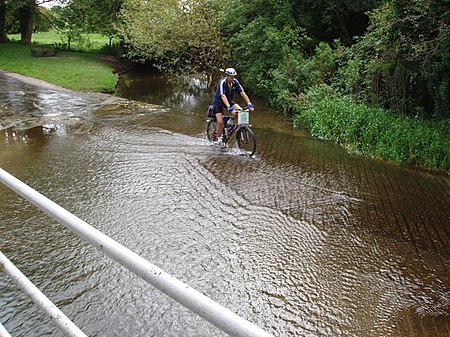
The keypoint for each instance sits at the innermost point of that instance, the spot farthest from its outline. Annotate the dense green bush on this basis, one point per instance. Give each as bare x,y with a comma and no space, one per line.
374,131
404,64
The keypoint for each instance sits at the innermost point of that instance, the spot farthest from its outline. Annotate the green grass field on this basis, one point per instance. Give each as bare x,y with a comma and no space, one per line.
81,71
88,43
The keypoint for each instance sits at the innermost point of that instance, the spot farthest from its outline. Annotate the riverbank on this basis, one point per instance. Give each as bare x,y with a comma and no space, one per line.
374,131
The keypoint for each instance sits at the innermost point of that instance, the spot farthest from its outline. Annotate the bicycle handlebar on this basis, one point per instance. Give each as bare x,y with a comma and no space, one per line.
247,109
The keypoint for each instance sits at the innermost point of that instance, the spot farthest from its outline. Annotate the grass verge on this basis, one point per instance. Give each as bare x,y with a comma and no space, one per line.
374,131
71,70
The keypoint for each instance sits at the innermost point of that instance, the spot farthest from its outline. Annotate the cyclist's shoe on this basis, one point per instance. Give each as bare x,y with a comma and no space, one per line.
219,142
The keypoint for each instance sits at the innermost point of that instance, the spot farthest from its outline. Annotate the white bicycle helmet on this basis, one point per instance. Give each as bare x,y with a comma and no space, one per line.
231,72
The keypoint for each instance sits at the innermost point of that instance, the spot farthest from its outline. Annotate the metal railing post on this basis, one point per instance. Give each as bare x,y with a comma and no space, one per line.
198,303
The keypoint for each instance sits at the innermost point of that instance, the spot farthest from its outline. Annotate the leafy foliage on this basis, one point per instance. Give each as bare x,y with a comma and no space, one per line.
43,20
267,45
402,63
94,16
179,35
405,60
374,131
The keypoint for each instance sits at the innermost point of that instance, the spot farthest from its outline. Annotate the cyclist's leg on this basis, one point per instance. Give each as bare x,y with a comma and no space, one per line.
235,107
219,125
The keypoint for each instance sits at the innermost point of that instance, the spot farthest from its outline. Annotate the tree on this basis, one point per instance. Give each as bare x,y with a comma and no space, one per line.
179,36
26,11
3,36
104,18
90,16
405,56
86,16
26,14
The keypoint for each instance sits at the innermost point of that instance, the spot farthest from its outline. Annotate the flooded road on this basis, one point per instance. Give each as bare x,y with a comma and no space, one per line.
303,240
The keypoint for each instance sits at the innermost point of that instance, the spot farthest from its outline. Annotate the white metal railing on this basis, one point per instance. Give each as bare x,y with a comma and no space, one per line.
56,315
216,314
3,331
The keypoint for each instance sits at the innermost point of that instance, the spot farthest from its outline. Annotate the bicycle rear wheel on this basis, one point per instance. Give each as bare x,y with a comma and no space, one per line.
246,141
210,130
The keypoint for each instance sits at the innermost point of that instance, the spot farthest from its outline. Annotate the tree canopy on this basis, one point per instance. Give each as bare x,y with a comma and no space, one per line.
179,35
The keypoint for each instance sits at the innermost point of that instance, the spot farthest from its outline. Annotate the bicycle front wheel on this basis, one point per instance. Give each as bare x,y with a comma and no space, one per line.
210,130
246,141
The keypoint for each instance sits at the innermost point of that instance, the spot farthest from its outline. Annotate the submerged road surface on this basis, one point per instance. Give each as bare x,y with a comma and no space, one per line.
302,240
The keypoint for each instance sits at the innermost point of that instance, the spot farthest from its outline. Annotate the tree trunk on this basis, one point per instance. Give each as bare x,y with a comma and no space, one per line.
3,36
27,21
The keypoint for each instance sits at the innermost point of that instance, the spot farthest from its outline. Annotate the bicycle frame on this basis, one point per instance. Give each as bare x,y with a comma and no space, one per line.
229,131
244,136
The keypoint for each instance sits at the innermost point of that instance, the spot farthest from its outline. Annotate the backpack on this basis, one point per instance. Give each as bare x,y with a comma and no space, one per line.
210,111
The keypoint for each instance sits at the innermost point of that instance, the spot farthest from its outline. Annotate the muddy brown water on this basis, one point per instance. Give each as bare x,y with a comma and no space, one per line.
305,239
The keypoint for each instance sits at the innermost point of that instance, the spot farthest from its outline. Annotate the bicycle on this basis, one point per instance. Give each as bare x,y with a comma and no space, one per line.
245,138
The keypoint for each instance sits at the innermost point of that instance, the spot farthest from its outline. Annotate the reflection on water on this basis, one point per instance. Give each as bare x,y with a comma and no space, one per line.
303,240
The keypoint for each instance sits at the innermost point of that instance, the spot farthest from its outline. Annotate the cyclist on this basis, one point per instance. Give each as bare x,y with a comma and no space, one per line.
223,98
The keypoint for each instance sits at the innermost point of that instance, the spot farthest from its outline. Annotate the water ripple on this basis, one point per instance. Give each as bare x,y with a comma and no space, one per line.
278,243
